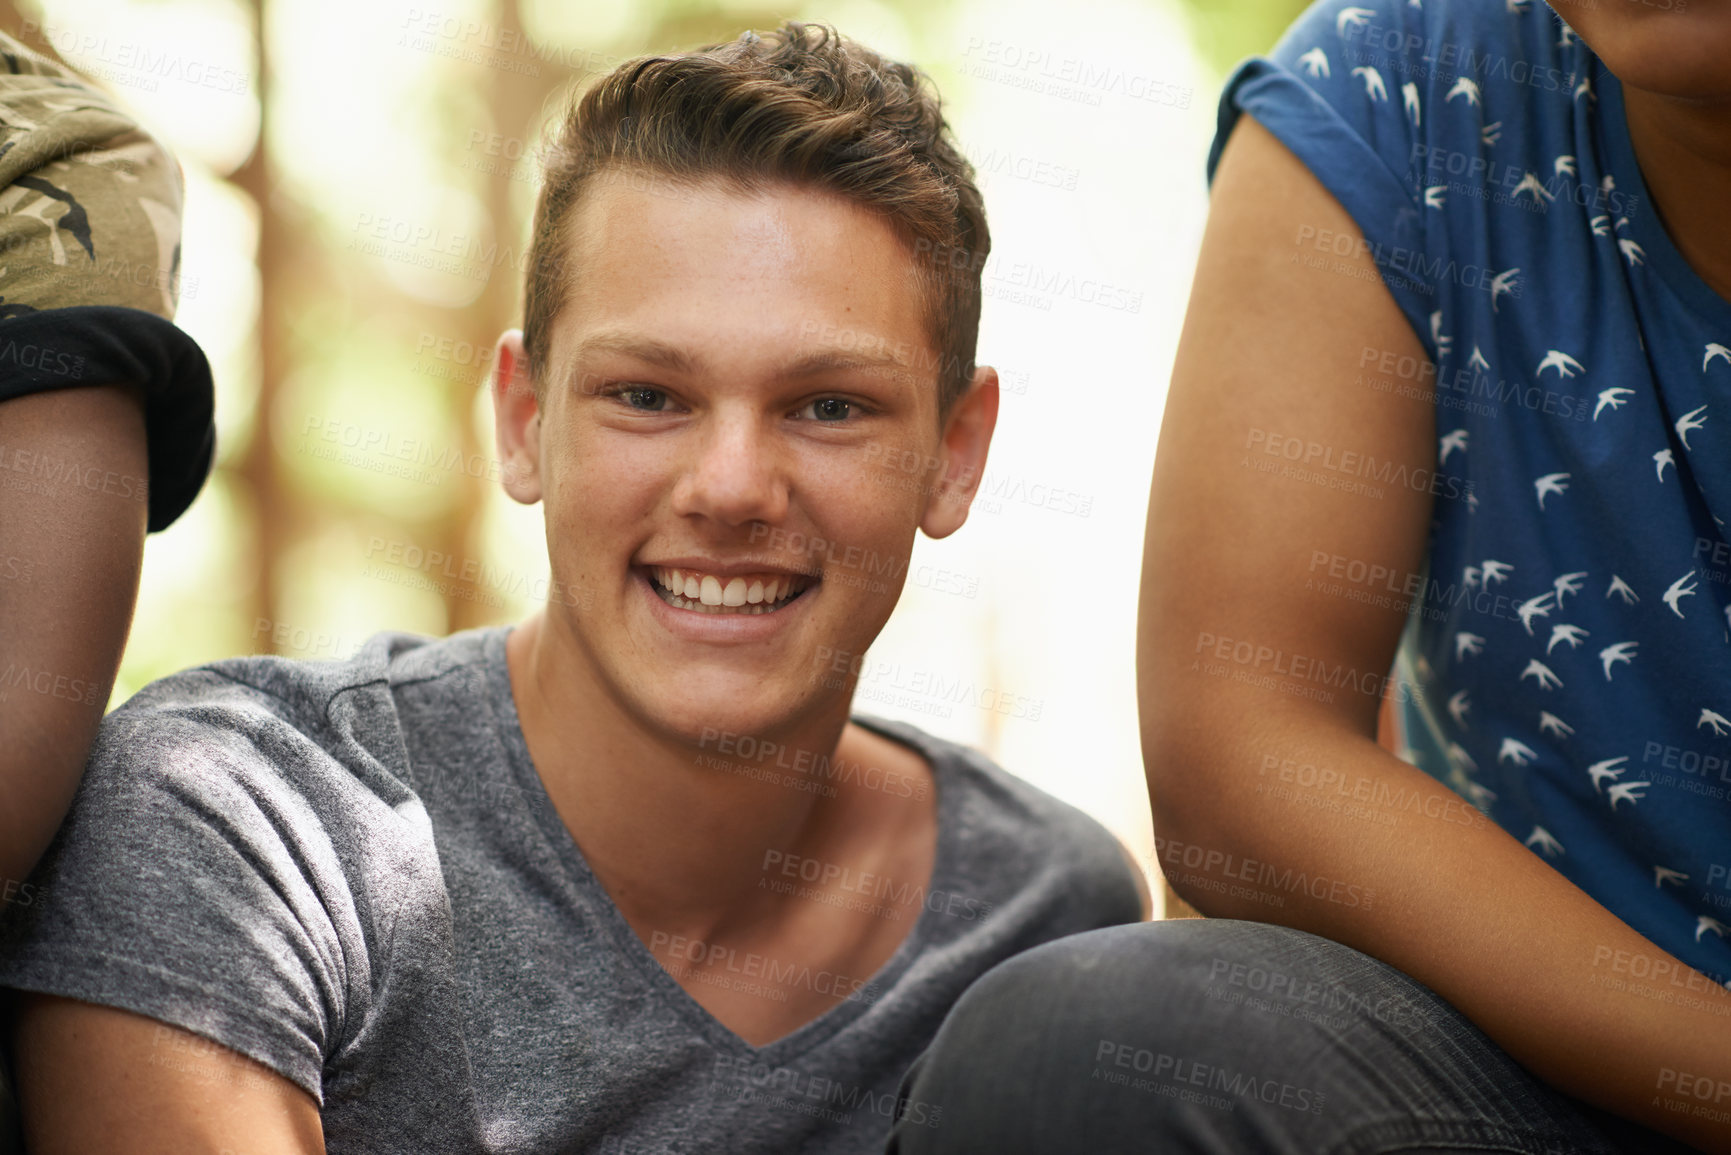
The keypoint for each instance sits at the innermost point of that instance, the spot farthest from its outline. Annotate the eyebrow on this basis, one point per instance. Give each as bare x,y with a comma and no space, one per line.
677,360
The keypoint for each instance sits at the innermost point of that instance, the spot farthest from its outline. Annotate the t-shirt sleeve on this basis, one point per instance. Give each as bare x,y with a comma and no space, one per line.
193,884
1344,105
90,212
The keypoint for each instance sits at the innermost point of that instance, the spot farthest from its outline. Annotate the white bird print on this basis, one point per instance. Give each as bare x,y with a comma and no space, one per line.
1568,583
1550,724
1491,132
1678,591
1470,577
1703,924
1717,721
1315,62
1496,571
1661,459
1715,349
1443,343
1621,588
1516,751
1565,365
1472,503
1533,187
1550,483
1516,6
1664,874
1546,679
1503,282
1434,195
1477,360
1564,632
1464,86
1621,221
1607,182
1466,643
1620,652
1687,424
1373,85
1563,166
1611,398
1539,607
1626,792
1633,251
1601,225
1585,88
1567,38
1599,771
1351,18
1541,839
1458,707
1458,755
1409,99
1479,795
1451,441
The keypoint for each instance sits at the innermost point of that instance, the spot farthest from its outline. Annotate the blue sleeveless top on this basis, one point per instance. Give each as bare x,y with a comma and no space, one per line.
1570,659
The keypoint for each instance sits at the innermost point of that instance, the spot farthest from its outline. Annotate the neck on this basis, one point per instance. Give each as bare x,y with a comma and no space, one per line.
676,830
1684,148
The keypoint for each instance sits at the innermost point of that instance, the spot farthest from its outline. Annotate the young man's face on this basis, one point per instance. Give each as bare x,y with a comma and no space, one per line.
730,378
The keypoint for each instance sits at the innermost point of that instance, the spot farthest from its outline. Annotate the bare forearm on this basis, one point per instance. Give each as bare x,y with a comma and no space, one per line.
72,524
1322,830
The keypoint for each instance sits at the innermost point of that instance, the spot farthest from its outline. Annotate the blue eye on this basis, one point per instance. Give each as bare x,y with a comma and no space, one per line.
830,409
642,397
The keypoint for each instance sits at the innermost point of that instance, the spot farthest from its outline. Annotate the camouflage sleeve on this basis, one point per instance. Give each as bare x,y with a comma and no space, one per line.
89,202
90,209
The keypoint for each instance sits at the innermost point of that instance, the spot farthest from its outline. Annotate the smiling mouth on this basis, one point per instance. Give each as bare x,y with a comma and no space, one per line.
763,593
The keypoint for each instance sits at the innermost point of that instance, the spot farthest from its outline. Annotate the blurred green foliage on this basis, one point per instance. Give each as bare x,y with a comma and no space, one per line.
1226,31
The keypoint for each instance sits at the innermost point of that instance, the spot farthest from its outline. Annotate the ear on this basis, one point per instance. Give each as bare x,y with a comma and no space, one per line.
966,438
516,419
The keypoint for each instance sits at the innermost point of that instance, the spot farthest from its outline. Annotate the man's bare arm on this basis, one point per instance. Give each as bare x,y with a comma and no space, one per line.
94,1078
1274,354
72,517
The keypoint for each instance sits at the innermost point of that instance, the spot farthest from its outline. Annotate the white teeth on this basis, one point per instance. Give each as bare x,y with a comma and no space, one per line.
706,593
686,604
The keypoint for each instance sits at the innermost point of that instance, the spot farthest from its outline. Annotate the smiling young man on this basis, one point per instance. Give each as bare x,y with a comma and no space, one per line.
626,877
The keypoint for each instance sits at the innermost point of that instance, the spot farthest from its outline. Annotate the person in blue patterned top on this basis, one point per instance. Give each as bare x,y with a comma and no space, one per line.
1448,441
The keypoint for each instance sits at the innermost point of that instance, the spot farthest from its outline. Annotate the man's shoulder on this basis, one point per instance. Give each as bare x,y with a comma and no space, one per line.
281,711
1005,827
298,690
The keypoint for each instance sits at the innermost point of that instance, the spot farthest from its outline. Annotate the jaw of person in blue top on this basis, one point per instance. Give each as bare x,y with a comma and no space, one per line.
737,383
1675,48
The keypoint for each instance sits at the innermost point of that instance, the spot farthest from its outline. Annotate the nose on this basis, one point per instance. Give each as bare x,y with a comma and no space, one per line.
737,476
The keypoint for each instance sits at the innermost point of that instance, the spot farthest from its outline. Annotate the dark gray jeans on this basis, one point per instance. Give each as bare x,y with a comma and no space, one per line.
1216,1036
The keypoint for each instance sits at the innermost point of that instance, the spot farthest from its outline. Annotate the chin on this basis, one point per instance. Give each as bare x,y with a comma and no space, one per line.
753,710
1667,49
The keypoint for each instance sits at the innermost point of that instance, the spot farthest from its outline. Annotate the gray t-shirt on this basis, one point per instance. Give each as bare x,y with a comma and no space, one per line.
350,872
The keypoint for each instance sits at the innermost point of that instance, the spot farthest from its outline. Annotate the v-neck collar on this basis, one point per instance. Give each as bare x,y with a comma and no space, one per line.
636,954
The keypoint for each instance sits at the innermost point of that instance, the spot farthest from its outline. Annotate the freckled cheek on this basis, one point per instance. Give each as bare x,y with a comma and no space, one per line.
598,478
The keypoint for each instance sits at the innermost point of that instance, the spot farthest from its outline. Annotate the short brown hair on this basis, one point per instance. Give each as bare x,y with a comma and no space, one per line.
802,105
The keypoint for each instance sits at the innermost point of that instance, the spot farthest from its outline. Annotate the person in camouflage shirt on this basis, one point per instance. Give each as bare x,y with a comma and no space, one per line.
105,430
